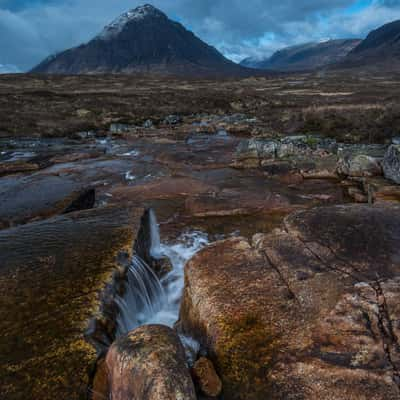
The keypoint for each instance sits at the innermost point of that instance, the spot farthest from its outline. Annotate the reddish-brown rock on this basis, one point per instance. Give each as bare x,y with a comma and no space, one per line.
17,167
149,364
206,378
234,202
307,312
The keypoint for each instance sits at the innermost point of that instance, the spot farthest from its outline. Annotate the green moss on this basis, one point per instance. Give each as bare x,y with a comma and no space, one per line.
244,355
311,141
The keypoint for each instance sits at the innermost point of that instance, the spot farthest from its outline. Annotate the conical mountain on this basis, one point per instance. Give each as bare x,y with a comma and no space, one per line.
143,40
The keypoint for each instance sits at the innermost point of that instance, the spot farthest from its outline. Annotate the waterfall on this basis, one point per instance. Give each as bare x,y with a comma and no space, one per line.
147,299
144,296
179,253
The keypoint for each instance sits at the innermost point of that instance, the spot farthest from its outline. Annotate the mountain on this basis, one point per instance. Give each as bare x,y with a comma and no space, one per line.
304,57
142,40
381,48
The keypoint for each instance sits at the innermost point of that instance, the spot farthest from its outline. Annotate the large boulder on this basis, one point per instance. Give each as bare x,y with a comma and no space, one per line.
360,160
251,152
306,312
391,163
257,151
149,364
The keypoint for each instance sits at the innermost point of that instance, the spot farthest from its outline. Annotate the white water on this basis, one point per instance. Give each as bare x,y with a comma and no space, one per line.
188,244
143,296
149,300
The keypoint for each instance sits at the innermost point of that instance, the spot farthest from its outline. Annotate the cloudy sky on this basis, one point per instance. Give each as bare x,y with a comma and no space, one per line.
30,30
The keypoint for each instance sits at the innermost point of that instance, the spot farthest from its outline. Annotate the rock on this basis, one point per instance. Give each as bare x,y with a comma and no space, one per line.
319,174
229,202
252,152
25,198
81,113
117,128
236,119
52,277
297,315
357,195
382,190
291,145
85,135
51,190
172,120
359,165
149,364
206,378
162,189
360,160
391,164
72,157
15,167
148,124
100,388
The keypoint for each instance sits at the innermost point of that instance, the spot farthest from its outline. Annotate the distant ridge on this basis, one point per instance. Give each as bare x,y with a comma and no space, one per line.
380,49
142,40
305,57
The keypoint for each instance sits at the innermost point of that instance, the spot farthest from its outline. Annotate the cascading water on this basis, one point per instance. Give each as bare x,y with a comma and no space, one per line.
179,253
144,295
147,299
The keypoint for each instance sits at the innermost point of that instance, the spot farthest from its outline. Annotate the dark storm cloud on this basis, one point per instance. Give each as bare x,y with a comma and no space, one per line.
32,29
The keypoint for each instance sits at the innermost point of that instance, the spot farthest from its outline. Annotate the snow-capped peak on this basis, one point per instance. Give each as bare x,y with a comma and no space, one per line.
136,14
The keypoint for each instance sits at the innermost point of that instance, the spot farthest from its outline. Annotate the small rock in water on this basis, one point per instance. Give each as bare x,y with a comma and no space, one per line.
148,124
172,120
129,176
206,378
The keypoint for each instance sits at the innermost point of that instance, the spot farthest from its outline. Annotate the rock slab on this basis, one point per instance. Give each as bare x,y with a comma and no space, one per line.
306,312
149,364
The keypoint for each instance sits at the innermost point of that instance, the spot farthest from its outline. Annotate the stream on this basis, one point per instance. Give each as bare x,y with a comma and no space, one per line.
148,299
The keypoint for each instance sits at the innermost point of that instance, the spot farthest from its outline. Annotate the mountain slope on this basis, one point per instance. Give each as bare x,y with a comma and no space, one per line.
380,48
141,40
308,56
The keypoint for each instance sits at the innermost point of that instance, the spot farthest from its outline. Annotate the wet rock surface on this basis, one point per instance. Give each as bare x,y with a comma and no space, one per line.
278,314
308,311
191,182
148,364
51,276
